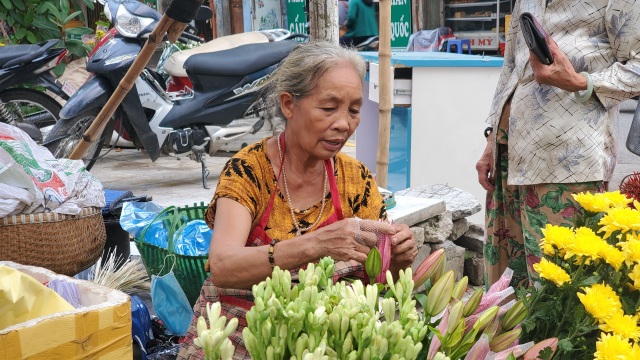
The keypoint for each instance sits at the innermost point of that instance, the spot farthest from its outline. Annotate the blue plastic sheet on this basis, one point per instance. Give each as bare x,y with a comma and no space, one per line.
193,238
136,216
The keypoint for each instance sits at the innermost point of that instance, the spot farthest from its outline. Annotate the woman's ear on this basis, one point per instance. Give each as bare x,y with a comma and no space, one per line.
287,102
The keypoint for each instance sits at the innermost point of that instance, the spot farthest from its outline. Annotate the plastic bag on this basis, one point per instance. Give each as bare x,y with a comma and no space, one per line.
429,40
136,215
170,302
192,238
68,290
23,298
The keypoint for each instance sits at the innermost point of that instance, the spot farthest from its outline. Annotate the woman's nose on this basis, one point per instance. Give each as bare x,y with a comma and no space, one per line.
343,121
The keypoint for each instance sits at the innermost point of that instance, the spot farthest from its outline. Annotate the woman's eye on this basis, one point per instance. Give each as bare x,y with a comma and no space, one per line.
328,109
354,111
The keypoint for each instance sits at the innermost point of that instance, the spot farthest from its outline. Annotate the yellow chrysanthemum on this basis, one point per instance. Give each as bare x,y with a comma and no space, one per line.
586,244
556,237
613,256
551,272
593,202
623,219
631,248
621,324
601,301
613,347
635,276
617,199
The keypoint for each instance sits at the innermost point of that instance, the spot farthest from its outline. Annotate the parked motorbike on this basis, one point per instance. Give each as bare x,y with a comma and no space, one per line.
23,69
223,104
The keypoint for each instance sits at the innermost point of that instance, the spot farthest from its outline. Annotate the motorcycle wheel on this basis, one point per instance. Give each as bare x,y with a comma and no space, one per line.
65,135
31,107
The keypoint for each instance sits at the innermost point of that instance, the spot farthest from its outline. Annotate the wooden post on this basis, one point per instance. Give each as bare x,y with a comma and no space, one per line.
237,21
323,20
214,23
384,127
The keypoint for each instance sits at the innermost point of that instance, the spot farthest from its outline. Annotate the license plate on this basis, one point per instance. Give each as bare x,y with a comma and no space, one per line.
69,88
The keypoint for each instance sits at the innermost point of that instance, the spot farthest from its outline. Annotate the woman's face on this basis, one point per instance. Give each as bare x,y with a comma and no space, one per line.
325,119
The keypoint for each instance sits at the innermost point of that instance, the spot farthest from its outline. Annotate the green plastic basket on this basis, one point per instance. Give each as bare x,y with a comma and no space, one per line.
189,270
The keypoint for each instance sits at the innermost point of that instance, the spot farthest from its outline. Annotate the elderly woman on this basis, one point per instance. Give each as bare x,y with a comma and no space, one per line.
294,198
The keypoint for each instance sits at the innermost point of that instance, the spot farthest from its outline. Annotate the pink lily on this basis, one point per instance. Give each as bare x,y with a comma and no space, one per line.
479,350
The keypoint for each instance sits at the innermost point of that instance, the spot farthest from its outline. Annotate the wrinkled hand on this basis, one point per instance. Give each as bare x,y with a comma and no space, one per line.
403,247
350,239
560,74
484,166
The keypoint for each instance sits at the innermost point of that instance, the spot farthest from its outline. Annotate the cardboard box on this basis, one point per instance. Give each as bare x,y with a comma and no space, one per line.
100,329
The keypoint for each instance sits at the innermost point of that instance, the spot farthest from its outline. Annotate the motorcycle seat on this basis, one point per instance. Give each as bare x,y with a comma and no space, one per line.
10,52
241,60
174,65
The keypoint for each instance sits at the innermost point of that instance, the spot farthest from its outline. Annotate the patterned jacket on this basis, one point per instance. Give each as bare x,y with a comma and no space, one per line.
553,138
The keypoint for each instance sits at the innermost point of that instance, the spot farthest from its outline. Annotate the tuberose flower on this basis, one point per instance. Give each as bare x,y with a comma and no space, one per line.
552,272
556,237
601,301
623,219
612,346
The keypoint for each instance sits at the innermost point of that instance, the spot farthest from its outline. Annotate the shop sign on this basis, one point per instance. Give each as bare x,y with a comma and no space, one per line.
296,18
400,23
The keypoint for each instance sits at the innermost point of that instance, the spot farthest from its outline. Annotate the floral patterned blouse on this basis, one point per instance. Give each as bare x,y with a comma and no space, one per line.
248,178
553,138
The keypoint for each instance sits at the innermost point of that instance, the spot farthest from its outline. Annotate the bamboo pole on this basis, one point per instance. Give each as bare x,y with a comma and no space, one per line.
384,125
168,26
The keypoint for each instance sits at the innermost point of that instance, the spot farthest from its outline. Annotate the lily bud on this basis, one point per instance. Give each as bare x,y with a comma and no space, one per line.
441,356
428,267
479,350
460,288
472,303
373,264
486,317
455,314
514,316
503,341
440,294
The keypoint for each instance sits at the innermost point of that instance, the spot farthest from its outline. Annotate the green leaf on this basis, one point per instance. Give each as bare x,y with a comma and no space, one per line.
70,17
59,69
44,23
76,47
78,31
511,357
21,33
64,7
51,9
421,299
88,3
565,345
7,4
19,4
28,18
32,37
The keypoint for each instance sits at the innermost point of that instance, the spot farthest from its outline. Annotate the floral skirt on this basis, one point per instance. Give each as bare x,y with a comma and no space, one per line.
515,217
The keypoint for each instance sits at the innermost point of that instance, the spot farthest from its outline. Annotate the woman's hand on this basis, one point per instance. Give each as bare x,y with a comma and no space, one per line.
560,74
346,240
403,248
484,166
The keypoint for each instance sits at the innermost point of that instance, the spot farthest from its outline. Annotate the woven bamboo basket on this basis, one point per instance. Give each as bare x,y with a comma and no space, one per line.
65,244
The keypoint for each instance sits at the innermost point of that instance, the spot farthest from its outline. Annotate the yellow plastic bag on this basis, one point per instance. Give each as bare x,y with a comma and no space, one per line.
23,298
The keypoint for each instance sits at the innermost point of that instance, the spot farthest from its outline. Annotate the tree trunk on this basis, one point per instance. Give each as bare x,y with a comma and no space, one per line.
384,127
323,20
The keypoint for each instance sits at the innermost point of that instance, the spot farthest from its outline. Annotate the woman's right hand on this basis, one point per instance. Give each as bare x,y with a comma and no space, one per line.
346,240
484,166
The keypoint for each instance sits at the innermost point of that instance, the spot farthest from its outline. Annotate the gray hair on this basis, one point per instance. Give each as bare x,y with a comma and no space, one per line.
298,74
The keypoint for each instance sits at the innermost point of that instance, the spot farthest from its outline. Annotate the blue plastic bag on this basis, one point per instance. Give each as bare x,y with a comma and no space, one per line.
192,238
136,215
170,302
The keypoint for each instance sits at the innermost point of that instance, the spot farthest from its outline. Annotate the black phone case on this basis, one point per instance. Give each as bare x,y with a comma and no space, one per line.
536,38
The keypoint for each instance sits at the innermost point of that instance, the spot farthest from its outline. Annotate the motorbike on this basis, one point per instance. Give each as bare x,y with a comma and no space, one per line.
221,102
24,69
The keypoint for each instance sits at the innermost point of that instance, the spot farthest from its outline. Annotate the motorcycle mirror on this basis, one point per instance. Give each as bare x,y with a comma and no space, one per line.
204,13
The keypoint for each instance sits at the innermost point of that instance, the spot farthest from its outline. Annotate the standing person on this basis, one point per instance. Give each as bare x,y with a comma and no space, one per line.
294,198
361,22
343,13
553,127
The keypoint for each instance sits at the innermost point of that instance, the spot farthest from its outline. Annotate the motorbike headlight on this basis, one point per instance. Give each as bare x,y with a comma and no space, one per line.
130,25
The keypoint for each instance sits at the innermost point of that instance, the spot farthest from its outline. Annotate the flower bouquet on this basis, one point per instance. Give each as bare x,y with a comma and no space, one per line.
589,294
317,319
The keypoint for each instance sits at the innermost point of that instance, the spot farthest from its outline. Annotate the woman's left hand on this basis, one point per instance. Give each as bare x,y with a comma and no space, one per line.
560,74
403,248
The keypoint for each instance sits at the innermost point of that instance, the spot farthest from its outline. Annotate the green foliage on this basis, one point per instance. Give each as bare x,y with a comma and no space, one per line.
35,21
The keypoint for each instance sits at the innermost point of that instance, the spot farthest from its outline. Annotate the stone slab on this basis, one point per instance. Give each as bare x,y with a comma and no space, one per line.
418,234
412,210
474,269
473,239
460,227
438,228
461,203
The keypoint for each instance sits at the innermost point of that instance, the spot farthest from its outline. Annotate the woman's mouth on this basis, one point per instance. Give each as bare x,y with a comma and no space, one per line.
332,145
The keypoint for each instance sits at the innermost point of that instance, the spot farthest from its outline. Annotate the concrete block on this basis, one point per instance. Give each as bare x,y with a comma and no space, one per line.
418,234
474,268
460,227
461,203
438,228
454,255
413,210
473,239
